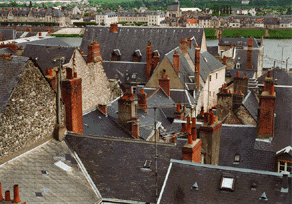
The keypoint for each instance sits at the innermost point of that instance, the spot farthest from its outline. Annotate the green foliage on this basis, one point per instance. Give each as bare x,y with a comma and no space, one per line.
257,33
280,34
68,35
80,24
210,33
140,23
86,14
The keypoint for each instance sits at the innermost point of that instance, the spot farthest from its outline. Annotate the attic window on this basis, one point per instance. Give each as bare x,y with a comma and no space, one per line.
236,159
264,196
227,183
195,186
147,164
237,65
284,165
205,59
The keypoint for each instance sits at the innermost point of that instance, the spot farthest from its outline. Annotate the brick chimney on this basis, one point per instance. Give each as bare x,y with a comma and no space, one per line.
237,98
72,97
40,34
126,109
93,53
114,28
190,42
49,31
220,36
142,100
149,59
7,196
265,123
28,30
19,51
135,127
192,150
16,194
224,60
155,61
1,196
103,109
248,64
210,133
224,103
183,46
197,67
0,37
241,83
51,78
178,114
164,83
176,61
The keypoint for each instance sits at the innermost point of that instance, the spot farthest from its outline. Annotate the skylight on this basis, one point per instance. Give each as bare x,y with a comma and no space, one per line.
147,164
63,166
227,182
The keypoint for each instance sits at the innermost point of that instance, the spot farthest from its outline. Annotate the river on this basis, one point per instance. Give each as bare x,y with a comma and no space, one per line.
272,50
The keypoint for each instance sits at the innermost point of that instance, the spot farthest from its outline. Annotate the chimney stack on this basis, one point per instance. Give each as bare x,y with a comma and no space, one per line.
197,67
224,60
142,100
224,102
93,53
7,196
16,194
149,59
164,83
183,46
220,36
114,28
192,150
135,127
0,37
248,64
237,98
241,83
1,196
210,133
155,61
126,109
190,42
265,123
176,61
178,114
51,78
49,31
72,97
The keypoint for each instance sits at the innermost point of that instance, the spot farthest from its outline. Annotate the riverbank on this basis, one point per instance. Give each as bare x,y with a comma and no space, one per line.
257,33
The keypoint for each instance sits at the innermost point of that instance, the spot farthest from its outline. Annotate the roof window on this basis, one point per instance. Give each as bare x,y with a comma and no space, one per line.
195,186
227,182
134,76
147,164
253,186
236,159
237,65
264,196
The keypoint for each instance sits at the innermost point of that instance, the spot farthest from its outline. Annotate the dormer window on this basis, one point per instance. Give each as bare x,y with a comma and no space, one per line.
237,65
227,182
137,56
236,159
116,55
284,165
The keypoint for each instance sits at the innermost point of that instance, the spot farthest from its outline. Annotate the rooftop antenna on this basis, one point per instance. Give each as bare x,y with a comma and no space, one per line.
283,47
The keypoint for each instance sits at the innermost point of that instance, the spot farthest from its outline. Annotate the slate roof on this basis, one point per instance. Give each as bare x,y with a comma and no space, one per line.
129,39
8,34
213,50
283,78
97,124
10,72
47,41
251,104
125,71
241,57
7,50
115,165
243,41
57,186
44,55
208,64
283,120
183,174
182,96
232,73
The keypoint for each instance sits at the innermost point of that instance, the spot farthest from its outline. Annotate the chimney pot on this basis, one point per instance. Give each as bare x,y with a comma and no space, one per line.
237,74
269,74
7,196
240,92
1,196
190,139
206,115
16,194
173,139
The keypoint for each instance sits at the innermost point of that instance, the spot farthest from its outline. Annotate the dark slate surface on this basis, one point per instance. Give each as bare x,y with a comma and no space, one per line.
10,72
46,42
241,57
237,139
124,71
251,104
182,96
114,165
232,73
283,121
184,174
283,78
213,50
7,50
129,39
244,42
46,54
96,123
264,160
8,34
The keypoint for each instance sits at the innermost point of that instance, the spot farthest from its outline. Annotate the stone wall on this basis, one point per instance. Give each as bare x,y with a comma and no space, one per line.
245,116
96,88
30,115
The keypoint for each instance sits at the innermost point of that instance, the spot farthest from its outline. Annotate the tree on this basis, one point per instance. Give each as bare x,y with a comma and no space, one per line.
30,4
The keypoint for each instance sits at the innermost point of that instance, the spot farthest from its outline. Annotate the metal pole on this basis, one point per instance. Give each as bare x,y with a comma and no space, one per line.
287,64
59,94
156,156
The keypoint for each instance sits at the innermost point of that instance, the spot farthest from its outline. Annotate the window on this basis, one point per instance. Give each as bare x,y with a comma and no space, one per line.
237,65
216,75
227,183
147,164
236,159
210,77
284,165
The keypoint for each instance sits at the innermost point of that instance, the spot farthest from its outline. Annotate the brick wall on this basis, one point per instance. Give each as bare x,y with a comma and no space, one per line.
30,115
